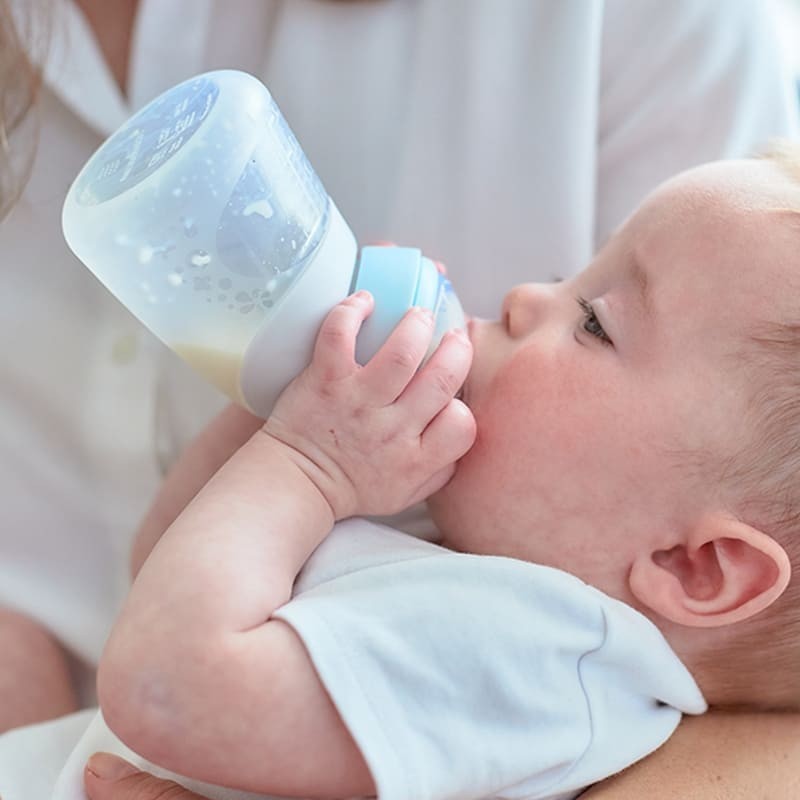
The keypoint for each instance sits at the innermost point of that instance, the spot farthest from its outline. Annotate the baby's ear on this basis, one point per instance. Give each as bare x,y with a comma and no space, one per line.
725,572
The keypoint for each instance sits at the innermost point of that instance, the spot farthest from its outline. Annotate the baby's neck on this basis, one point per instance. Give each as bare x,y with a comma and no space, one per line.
731,669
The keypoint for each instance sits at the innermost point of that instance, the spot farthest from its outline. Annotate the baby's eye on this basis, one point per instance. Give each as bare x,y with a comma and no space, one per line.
591,324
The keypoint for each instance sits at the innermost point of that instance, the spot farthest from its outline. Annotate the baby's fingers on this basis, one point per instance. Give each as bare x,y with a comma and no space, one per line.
435,385
450,434
334,350
388,372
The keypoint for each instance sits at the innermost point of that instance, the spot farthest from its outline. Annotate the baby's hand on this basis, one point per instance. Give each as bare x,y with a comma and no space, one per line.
377,438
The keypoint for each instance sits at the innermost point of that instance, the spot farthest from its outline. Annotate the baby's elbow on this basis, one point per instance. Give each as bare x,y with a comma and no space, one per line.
141,701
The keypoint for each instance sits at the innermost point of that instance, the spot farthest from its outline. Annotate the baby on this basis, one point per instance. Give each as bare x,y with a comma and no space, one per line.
615,488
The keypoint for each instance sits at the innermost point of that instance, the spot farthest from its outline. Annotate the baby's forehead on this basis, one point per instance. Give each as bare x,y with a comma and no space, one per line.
745,207
731,228
727,190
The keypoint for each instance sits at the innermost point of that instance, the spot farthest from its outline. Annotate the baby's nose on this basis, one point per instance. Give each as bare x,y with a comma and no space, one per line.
524,307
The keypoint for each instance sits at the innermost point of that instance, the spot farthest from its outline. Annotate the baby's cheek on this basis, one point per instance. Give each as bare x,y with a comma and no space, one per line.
554,416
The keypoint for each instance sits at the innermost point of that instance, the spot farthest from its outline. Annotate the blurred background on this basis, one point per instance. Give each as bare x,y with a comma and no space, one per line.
789,28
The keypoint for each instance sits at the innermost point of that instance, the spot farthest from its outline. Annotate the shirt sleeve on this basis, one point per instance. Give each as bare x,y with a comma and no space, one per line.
684,82
475,676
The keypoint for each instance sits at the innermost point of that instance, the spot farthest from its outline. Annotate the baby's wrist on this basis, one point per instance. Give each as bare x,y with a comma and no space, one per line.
316,472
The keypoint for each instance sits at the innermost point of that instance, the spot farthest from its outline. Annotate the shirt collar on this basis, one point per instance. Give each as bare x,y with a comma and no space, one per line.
76,72
167,45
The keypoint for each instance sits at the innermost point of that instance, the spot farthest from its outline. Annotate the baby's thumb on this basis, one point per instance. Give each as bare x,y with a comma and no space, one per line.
108,777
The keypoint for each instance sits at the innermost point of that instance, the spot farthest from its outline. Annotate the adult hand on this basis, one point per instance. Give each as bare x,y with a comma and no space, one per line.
108,777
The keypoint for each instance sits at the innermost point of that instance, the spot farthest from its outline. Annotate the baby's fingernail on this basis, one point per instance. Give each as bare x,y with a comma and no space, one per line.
109,768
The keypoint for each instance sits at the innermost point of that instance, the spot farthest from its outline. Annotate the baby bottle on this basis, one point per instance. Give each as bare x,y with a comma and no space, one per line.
203,216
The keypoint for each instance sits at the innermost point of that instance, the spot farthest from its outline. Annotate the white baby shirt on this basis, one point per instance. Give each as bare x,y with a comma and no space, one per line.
479,676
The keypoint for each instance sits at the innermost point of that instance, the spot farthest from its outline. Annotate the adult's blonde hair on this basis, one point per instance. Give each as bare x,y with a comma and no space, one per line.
24,31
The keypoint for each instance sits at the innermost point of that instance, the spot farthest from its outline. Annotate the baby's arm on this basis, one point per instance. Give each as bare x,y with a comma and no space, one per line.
226,433
196,676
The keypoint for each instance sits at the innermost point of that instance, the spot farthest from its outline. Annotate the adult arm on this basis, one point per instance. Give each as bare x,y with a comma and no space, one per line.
719,756
35,679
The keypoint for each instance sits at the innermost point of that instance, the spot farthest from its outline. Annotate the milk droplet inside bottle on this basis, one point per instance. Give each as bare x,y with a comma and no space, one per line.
262,207
189,227
199,258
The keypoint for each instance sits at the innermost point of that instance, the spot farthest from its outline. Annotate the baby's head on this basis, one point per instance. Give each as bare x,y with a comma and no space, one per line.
639,424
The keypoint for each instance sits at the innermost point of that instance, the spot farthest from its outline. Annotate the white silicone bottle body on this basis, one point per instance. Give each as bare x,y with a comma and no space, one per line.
202,214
